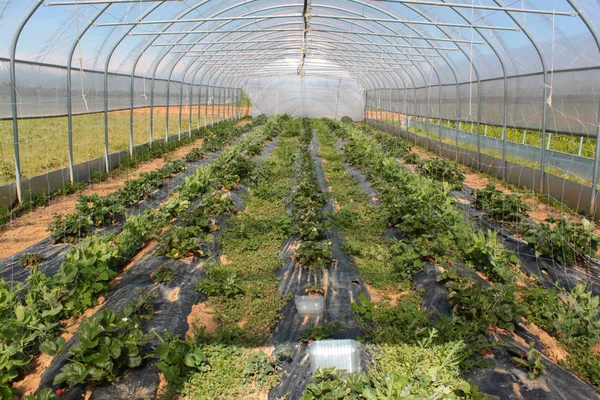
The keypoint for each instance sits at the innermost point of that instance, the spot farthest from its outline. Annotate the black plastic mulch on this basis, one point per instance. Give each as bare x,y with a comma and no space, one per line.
505,380
54,254
551,272
173,305
342,287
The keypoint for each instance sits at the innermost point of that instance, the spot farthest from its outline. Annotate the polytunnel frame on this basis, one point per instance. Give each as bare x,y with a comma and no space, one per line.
364,78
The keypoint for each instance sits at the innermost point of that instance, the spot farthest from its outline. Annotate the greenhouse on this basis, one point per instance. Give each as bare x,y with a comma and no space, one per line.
261,199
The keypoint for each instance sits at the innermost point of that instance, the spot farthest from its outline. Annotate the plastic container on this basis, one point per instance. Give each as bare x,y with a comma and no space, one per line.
342,354
311,306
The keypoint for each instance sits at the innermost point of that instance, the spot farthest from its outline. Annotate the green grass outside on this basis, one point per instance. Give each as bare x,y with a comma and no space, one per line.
43,142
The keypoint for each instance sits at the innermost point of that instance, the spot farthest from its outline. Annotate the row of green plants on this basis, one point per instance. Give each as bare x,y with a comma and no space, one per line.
407,357
242,289
142,154
31,314
307,204
177,357
562,239
566,241
432,231
95,211
570,316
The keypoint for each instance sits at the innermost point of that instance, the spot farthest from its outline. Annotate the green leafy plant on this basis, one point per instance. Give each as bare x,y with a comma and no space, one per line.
487,306
163,274
44,394
107,346
443,171
314,254
30,259
259,367
403,323
319,332
177,358
500,206
485,254
568,242
531,361
219,284
181,242
218,203
408,260
86,272
314,289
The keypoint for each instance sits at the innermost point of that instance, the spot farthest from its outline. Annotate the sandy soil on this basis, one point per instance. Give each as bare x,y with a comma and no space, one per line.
201,317
389,298
31,228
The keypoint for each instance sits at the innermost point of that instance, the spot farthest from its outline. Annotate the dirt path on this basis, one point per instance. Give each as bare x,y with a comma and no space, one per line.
31,228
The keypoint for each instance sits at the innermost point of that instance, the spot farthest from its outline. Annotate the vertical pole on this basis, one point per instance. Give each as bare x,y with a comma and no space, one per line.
504,124
580,146
457,120
13,95
151,110
167,111
206,107
70,120
131,105
485,130
190,108
366,110
548,143
181,84
199,104
595,171
524,136
543,145
212,100
106,158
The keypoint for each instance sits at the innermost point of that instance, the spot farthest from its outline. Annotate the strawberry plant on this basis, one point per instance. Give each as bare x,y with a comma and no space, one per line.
314,254
86,272
530,361
408,261
314,289
163,274
107,346
319,332
500,206
567,242
484,253
219,284
443,171
259,367
218,203
177,358
181,242
487,306
195,154
30,259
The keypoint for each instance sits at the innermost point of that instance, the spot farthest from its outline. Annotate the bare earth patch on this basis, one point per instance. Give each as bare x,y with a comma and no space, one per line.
202,316
552,349
388,298
31,228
